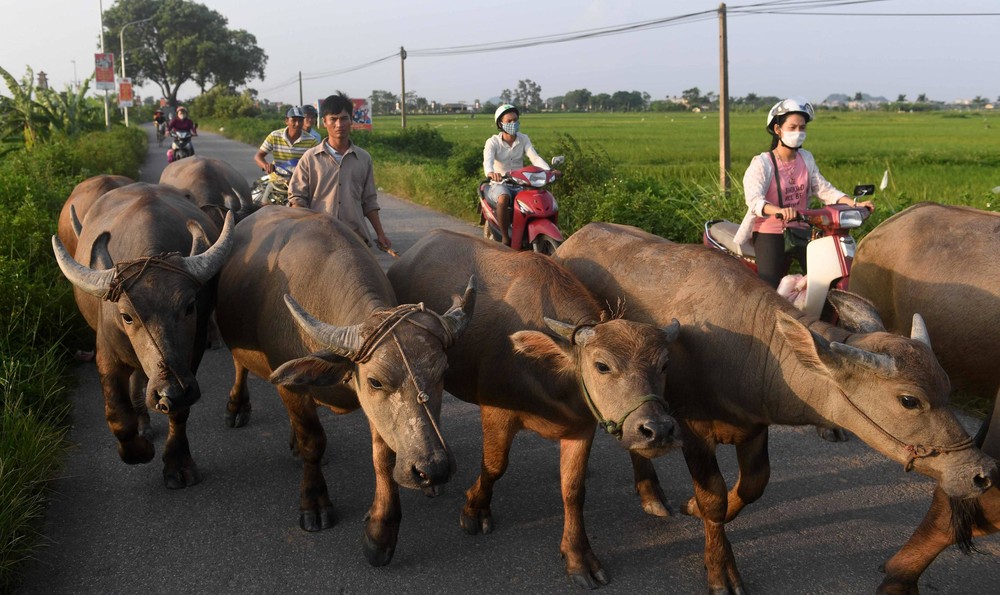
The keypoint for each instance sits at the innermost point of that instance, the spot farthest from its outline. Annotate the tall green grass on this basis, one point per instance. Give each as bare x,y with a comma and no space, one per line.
37,319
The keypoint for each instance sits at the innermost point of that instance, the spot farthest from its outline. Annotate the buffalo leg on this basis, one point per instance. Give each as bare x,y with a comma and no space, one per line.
712,501
385,514
647,485
499,429
582,566
315,507
755,471
179,469
133,448
238,407
137,393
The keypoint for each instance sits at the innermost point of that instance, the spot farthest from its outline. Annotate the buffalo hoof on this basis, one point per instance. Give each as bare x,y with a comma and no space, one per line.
136,451
891,586
481,523
691,508
375,555
585,580
312,520
832,434
433,491
728,591
181,478
657,508
237,419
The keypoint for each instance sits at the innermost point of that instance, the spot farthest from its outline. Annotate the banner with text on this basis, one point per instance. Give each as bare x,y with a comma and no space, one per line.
104,72
362,115
125,92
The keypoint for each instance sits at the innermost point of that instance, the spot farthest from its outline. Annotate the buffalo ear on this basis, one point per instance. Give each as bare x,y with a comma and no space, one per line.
812,350
199,239
856,314
540,346
323,368
100,258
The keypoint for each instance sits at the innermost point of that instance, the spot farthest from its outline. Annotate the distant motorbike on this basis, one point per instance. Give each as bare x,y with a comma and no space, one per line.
272,188
161,132
181,146
829,253
534,224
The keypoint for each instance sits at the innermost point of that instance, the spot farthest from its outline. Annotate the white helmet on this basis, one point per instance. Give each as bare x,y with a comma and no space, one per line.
503,109
789,106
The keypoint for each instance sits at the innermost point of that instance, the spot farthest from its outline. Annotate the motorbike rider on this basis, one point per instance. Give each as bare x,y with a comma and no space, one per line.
158,118
767,194
286,145
181,123
503,153
309,123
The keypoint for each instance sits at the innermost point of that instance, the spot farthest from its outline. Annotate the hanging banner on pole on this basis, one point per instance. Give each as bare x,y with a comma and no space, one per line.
104,72
362,115
125,96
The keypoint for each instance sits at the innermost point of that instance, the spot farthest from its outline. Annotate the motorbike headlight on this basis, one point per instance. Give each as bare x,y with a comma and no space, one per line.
525,209
851,218
537,179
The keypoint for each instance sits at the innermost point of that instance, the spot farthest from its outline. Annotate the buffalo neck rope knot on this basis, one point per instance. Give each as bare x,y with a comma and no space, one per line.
612,427
128,272
913,451
394,317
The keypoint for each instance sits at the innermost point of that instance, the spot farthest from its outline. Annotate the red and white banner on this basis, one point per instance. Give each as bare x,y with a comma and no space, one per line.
104,72
362,115
125,96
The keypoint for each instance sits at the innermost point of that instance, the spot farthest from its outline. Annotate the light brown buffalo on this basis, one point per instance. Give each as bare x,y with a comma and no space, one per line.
746,359
367,352
559,385
214,185
142,276
80,201
944,262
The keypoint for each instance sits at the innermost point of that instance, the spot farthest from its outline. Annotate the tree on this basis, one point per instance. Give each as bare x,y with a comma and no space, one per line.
528,95
184,41
922,98
601,102
577,99
692,96
859,96
901,98
507,96
383,102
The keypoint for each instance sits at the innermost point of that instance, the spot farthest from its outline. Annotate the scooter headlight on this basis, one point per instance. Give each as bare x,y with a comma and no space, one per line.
537,179
525,209
851,218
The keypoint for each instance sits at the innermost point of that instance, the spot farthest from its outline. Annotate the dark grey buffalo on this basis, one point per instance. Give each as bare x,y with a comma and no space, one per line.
944,262
214,185
142,276
304,303
541,355
746,359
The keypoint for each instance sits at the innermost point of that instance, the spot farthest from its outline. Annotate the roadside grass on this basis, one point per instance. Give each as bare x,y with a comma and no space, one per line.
38,319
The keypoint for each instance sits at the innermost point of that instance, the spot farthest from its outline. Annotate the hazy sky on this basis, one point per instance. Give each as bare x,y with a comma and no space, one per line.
947,58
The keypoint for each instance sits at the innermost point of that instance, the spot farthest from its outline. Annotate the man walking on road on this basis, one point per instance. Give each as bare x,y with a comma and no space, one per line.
336,177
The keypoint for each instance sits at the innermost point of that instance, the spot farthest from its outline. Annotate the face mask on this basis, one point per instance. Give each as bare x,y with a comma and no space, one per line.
793,140
182,115
511,128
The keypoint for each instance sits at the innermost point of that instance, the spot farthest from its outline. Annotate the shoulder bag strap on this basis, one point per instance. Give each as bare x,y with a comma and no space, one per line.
777,179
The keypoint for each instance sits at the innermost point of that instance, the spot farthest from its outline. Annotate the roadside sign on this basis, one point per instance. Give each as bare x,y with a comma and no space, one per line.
125,92
104,72
362,115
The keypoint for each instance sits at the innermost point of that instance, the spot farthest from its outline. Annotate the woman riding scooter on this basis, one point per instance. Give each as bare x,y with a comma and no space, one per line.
503,153
773,200
181,124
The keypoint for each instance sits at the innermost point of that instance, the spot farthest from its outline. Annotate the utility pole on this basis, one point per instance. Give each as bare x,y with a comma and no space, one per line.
107,117
121,48
300,88
724,158
402,78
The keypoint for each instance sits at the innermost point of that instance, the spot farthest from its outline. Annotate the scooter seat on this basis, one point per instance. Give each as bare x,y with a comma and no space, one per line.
723,231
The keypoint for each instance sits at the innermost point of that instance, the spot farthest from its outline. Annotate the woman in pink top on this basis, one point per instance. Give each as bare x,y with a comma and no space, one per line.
798,178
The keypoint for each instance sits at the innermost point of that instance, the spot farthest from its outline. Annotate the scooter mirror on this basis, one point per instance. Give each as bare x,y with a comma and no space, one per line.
864,190
558,160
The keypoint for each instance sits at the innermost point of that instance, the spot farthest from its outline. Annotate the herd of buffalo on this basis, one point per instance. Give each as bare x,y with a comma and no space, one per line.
620,329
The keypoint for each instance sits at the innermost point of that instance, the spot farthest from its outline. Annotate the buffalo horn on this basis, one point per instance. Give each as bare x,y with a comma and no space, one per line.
878,362
919,330
457,317
566,331
94,282
345,341
204,266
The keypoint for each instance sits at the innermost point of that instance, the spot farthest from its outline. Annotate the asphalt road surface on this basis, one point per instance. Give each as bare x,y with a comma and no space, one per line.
830,516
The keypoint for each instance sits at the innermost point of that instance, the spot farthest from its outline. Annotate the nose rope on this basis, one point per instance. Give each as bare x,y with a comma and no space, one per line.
422,396
615,428
127,273
913,451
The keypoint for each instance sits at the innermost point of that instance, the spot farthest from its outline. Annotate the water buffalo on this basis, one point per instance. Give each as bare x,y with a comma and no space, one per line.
746,359
559,385
214,185
80,201
944,262
142,276
367,352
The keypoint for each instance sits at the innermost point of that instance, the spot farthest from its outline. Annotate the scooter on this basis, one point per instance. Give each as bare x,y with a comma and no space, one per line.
272,188
181,146
829,254
534,224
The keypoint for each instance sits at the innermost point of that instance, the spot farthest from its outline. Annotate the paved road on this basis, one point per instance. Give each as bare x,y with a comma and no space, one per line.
831,514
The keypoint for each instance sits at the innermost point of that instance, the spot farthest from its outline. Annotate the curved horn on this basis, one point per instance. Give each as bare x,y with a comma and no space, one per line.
919,330
75,221
94,282
204,266
672,330
345,341
566,331
457,317
878,362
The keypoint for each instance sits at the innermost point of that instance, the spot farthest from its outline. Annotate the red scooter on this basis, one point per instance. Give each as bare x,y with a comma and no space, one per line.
829,253
536,213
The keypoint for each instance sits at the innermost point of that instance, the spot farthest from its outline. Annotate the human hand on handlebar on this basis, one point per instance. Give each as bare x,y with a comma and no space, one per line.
866,204
269,167
557,173
787,213
495,176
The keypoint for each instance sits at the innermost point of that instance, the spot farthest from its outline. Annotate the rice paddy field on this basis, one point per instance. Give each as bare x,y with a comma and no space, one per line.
946,156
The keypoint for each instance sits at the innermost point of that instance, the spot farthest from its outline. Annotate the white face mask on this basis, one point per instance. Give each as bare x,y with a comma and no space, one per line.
793,140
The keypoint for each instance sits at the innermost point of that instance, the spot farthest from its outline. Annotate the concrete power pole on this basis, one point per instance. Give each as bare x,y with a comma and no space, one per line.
724,157
402,78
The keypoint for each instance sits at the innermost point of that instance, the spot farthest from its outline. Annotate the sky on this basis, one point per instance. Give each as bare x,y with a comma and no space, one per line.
945,57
